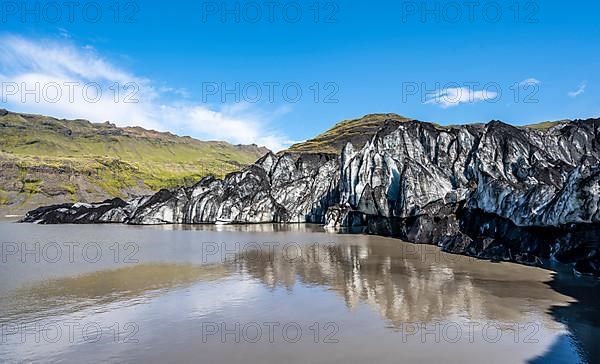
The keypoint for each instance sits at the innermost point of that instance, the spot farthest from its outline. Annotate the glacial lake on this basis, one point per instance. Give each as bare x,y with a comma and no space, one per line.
278,294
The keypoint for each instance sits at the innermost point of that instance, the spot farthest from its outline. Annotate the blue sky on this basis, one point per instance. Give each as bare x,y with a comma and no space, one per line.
443,61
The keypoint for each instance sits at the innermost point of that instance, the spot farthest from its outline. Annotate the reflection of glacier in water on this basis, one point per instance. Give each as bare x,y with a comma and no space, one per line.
411,283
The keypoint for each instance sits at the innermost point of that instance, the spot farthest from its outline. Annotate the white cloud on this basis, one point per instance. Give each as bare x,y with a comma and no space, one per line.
229,123
64,33
451,97
580,90
530,82
47,66
182,92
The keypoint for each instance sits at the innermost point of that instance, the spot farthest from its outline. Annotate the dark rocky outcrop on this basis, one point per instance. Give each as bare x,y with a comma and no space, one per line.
81,213
493,191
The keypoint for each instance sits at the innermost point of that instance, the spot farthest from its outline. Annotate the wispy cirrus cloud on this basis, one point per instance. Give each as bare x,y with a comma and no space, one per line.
530,82
579,91
451,97
59,78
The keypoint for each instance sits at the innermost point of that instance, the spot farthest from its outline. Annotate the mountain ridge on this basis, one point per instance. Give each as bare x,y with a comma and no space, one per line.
46,160
360,130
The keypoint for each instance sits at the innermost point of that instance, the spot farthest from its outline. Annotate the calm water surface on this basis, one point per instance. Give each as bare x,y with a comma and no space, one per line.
277,294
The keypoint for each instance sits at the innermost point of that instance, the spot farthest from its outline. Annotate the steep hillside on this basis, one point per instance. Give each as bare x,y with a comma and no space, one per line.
44,160
356,131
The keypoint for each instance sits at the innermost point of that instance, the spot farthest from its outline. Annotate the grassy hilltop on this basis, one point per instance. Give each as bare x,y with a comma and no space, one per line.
357,131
